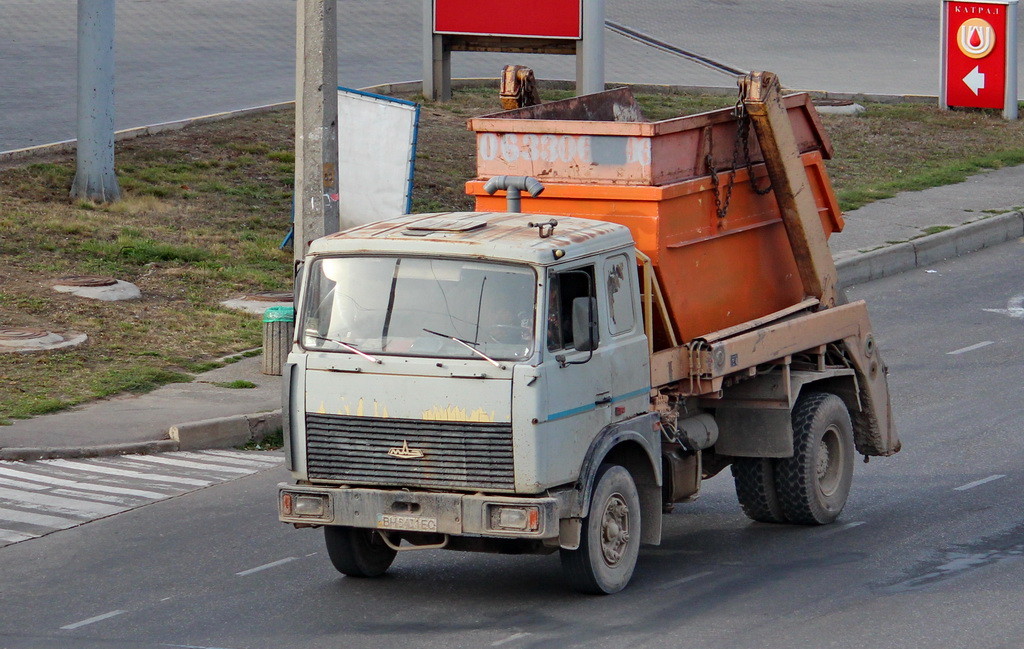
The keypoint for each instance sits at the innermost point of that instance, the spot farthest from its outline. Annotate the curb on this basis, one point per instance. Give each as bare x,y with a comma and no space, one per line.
72,452
957,241
222,432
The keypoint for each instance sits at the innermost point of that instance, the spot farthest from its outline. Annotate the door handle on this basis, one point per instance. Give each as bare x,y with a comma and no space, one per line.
603,400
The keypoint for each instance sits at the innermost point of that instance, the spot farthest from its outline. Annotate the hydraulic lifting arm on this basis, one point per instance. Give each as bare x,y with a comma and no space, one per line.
762,99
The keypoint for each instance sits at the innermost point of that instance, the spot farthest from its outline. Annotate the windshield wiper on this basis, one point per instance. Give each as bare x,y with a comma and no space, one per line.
347,346
468,345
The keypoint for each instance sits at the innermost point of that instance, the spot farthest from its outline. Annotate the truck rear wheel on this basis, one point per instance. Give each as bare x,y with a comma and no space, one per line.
357,552
755,488
814,484
610,538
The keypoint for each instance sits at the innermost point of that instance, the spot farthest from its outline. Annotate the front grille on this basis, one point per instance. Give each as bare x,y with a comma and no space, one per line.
456,455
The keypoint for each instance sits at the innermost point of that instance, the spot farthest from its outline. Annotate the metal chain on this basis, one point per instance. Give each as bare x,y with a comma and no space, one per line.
742,140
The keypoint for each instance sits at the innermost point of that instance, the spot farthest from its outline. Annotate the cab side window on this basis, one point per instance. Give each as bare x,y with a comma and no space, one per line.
620,295
563,288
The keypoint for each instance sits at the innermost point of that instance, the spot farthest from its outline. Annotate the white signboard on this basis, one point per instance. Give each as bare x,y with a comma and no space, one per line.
376,153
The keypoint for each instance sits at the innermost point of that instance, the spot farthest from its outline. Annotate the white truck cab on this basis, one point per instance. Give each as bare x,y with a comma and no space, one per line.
455,377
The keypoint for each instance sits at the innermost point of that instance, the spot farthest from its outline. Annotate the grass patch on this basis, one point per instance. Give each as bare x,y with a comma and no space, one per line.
271,442
889,149
238,384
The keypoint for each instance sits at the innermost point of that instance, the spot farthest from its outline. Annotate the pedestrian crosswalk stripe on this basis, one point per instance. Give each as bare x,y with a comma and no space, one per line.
10,536
72,506
210,456
239,456
22,485
190,465
43,496
99,468
83,486
33,518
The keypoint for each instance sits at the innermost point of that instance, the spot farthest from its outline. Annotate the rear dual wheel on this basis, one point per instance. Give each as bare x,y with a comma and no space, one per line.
812,486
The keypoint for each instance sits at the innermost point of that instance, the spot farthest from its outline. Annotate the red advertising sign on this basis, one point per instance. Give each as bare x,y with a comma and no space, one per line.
519,18
975,48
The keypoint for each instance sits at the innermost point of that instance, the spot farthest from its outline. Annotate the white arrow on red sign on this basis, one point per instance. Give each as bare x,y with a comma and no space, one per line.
975,80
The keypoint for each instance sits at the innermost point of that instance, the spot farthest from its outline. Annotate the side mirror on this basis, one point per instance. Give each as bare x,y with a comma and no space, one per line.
584,324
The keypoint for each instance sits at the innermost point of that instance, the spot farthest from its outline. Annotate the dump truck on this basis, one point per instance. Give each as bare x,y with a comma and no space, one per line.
633,308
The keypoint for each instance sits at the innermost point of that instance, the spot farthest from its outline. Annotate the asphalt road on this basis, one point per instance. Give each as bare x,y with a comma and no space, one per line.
186,58
926,554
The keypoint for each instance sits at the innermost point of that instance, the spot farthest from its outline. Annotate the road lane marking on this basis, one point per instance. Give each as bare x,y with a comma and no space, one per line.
680,582
978,483
92,620
511,638
266,566
82,486
1014,307
964,350
153,459
99,468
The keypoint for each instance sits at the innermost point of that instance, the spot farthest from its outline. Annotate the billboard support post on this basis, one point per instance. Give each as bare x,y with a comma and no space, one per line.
572,27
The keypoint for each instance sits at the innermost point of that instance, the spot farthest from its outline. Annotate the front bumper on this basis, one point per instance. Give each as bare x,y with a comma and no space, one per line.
441,513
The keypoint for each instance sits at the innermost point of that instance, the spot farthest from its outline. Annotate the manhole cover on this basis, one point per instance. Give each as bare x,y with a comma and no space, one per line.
271,296
15,333
86,281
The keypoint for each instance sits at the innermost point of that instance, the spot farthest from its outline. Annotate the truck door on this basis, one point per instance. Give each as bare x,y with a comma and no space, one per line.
587,389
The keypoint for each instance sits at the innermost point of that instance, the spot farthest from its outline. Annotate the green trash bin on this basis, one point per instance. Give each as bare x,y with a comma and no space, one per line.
278,331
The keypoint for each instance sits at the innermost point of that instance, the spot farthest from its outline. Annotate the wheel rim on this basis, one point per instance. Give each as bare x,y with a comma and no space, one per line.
830,461
614,530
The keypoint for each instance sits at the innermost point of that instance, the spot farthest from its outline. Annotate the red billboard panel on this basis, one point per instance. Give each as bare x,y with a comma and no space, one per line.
975,54
519,18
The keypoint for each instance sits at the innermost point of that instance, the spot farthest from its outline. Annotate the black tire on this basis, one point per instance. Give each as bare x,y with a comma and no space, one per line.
755,488
358,552
610,539
813,484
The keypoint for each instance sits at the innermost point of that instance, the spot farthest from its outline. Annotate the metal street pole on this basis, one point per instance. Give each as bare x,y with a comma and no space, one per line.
94,178
590,49
316,123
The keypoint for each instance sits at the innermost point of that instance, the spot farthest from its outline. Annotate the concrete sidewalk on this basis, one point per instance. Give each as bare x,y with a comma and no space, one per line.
883,238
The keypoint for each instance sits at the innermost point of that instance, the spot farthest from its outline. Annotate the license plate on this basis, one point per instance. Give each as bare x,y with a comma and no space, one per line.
406,523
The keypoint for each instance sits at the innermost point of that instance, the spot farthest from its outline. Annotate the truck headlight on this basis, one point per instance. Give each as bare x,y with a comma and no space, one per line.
518,518
312,505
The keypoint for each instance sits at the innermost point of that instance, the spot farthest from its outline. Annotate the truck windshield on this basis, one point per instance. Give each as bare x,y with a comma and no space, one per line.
415,307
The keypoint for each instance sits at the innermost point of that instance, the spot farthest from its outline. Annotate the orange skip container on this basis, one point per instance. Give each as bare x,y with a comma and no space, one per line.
657,179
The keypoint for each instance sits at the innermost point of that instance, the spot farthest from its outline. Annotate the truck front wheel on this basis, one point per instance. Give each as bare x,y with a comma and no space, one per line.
813,484
357,552
610,538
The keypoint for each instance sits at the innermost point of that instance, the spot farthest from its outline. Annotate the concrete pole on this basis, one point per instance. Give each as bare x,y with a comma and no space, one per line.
316,123
1010,101
437,59
590,50
94,176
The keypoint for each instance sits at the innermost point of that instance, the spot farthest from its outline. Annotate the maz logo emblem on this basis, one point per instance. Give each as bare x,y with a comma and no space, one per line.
405,452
